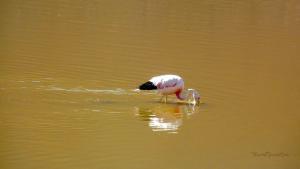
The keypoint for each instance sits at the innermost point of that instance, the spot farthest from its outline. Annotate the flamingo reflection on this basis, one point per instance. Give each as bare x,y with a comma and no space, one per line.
165,117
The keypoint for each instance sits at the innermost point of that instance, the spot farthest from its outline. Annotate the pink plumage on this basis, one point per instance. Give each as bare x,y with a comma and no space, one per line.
170,84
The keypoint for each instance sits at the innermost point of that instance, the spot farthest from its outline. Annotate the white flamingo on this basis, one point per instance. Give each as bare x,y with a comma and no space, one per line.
171,84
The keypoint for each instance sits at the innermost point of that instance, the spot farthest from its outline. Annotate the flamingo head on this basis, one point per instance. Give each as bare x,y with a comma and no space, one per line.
193,96
189,95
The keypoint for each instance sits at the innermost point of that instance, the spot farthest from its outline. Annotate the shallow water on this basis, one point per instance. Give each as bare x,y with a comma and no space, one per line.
69,70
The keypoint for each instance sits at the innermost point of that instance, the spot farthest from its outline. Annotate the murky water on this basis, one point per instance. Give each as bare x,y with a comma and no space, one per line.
69,69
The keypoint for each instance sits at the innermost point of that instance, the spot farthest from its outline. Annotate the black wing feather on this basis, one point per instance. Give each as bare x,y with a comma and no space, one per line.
147,86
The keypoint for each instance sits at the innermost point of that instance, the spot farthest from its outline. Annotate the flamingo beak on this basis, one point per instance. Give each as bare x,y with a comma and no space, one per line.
198,101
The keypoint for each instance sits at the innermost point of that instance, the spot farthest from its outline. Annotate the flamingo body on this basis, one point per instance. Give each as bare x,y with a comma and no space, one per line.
170,84
165,84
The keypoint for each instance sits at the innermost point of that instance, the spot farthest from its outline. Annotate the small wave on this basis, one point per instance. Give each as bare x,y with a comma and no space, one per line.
117,91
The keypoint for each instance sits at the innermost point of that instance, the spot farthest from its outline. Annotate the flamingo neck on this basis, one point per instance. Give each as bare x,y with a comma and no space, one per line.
180,95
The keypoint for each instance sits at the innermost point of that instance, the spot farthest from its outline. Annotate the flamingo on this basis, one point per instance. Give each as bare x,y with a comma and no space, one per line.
171,84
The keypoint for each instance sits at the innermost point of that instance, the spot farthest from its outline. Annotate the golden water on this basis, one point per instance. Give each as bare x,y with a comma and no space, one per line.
69,69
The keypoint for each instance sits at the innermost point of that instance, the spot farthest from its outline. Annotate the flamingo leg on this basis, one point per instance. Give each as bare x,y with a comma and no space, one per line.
164,98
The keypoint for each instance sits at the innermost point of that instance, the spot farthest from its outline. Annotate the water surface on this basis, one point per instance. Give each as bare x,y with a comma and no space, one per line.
69,69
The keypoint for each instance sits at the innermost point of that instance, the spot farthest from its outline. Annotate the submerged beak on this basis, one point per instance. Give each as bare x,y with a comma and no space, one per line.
198,102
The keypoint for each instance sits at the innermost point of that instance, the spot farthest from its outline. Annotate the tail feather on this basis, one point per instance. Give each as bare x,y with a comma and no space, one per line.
147,86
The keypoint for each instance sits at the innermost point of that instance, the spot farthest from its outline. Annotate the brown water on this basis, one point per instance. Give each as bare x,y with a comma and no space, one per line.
69,70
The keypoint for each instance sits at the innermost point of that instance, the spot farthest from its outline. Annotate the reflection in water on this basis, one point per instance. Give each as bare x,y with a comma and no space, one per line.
161,117
165,117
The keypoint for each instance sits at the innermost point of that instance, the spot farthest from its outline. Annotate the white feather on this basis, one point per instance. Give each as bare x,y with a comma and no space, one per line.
168,84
